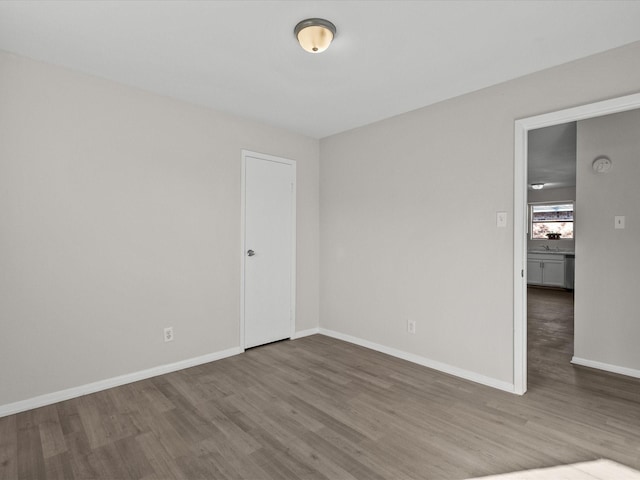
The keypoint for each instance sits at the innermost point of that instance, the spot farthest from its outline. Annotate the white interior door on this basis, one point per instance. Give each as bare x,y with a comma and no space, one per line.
268,253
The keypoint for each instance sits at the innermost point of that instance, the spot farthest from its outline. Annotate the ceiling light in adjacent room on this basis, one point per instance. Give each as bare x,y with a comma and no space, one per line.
315,34
537,186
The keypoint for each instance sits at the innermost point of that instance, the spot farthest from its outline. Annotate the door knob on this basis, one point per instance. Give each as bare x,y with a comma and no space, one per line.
251,253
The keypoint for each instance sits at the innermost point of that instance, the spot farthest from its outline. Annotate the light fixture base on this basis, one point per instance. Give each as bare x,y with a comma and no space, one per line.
315,34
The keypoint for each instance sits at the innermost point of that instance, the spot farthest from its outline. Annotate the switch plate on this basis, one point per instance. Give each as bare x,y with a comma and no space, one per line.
411,326
619,221
168,334
501,219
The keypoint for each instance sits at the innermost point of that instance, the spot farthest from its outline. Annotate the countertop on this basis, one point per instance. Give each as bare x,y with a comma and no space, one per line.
553,252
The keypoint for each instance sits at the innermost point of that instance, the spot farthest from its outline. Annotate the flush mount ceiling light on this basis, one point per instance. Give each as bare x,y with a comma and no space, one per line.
315,34
537,186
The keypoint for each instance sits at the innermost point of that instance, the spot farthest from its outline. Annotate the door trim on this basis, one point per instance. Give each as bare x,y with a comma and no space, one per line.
292,163
522,127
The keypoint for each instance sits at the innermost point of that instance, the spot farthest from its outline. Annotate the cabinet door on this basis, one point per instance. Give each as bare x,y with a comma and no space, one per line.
534,272
553,273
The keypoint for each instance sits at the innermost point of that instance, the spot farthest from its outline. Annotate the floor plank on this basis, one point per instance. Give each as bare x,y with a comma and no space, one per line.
8,448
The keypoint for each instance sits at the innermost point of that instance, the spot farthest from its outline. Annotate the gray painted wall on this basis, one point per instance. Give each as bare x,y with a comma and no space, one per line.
408,216
607,312
120,215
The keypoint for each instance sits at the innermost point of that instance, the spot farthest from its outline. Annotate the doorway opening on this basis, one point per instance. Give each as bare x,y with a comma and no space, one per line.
521,212
551,199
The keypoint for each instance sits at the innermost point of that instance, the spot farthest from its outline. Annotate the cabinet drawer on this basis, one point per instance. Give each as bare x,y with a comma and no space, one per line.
545,256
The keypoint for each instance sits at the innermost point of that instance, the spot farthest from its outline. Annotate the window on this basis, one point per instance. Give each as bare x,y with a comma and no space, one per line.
549,219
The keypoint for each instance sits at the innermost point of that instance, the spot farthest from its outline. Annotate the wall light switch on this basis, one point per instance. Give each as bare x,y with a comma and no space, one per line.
619,221
501,219
411,326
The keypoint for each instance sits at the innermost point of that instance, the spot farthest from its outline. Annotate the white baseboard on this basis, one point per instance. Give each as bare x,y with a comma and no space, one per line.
426,362
305,333
630,372
55,397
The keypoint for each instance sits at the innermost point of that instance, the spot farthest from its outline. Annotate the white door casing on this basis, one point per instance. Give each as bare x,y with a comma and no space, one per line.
522,128
268,249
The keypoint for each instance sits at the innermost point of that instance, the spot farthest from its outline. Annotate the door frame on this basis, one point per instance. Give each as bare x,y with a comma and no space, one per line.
292,163
520,216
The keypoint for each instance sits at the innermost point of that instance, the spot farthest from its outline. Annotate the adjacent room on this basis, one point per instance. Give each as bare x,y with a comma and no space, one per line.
319,239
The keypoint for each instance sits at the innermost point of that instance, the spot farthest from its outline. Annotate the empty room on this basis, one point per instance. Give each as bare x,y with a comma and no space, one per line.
319,239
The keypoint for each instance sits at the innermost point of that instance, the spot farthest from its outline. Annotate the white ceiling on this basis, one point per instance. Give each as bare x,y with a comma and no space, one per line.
241,57
551,157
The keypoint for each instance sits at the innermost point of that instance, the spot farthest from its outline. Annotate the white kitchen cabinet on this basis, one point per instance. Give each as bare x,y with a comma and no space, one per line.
546,269
534,272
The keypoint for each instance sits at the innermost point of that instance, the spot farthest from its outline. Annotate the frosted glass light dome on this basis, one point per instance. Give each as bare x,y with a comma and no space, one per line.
315,34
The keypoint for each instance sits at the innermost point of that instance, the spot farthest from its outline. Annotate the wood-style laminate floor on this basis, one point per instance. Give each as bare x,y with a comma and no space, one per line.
320,408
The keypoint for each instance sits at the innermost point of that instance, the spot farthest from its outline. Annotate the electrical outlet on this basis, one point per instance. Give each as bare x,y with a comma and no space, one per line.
411,326
168,334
